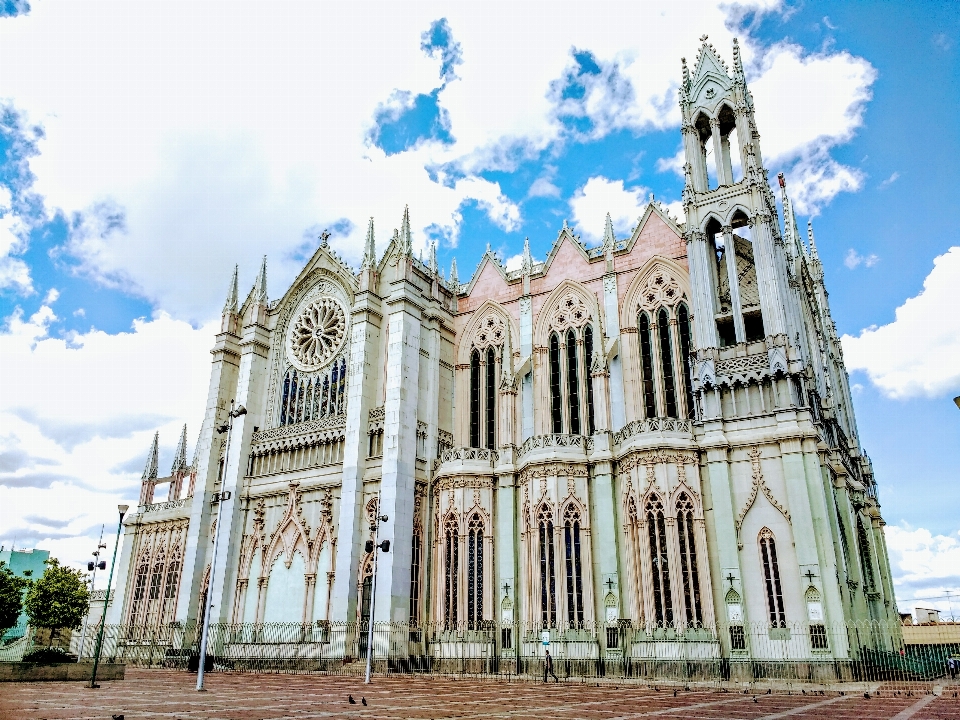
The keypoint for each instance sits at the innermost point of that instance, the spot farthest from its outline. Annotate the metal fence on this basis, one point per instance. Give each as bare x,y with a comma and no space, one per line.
796,653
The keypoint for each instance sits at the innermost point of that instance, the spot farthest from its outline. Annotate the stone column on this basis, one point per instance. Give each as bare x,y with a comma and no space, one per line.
722,516
703,291
398,477
222,389
363,371
764,256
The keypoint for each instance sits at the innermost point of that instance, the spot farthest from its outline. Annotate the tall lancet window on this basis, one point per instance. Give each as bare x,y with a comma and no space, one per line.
475,572
451,562
556,399
659,562
574,568
688,561
683,326
416,564
573,383
491,404
771,578
646,367
286,399
548,575
139,590
588,364
475,399
171,585
666,363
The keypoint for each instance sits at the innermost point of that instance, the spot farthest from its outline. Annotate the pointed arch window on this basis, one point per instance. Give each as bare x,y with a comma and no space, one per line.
548,576
491,404
416,564
666,362
574,568
475,398
475,572
659,561
863,546
573,383
451,562
306,398
588,365
556,395
771,578
139,590
683,327
646,367
171,585
689,569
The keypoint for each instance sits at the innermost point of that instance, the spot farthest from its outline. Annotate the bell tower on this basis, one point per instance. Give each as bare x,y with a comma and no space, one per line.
735,248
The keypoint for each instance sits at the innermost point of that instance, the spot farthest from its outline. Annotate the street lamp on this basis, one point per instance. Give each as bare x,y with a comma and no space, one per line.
106,600
96,564
373,546
218,498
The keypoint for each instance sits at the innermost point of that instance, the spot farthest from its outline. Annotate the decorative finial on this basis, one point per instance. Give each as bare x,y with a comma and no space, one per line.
433,257
369,248
703,38
527,257
608,237
489,251
454,279
232,294
737,62
325,238
565,226
261,284
180,456
813,243
150,470
405,231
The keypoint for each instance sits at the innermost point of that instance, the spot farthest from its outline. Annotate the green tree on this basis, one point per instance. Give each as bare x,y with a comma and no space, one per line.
60,599
11,597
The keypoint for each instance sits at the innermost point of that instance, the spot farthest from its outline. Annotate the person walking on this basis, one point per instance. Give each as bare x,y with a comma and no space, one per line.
952,663
548,668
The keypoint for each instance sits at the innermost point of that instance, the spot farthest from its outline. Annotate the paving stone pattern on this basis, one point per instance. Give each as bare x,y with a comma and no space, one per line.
171,695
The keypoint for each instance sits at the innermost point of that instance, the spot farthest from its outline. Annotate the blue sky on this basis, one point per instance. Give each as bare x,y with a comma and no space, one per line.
145,154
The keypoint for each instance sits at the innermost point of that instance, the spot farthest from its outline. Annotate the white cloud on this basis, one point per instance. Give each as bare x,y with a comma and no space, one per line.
599,196
923,565
14,272
890,180
916,354
218,135
77,415
853,259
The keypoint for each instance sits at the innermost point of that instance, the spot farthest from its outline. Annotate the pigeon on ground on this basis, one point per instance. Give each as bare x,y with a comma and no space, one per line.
866,695
769,690
674,693
755,700
351,700
117,717
363,701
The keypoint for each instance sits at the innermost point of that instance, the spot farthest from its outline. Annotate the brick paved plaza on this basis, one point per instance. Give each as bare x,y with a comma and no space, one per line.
171,694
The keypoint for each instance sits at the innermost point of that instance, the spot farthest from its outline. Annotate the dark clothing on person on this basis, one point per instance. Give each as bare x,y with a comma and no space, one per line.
548,668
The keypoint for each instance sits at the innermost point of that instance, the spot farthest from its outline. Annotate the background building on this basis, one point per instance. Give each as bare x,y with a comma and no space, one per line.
26,564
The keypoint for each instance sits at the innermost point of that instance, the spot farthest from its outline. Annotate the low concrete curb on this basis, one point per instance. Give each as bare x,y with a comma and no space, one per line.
34,672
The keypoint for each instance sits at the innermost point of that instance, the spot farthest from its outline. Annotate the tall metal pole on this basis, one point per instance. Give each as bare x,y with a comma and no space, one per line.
106,601
373,590
93,585
219,499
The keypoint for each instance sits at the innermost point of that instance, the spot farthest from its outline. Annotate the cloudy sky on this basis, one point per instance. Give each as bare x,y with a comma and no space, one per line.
145,148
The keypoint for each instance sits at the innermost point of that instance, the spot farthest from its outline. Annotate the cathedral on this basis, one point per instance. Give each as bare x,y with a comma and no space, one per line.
655,435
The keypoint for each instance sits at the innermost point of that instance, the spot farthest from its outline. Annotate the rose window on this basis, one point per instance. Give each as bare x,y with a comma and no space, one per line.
318,333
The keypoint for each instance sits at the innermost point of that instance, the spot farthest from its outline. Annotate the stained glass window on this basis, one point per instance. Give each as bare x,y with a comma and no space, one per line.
555,392
646,363
688,561
573,383
451,545
659,562
666,363
475,572
548,577
588,363
491,398
475,399
571,537
683,325
771,578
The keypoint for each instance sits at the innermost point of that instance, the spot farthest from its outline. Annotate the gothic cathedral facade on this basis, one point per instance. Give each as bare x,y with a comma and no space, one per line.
653,433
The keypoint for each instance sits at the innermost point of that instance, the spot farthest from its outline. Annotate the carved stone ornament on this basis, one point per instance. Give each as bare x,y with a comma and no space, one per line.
572,312
491,331
317,334
758,486
661,288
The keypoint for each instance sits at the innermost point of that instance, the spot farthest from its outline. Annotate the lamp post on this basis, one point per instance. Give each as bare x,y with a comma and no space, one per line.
97,564
106,600
373,546
218,498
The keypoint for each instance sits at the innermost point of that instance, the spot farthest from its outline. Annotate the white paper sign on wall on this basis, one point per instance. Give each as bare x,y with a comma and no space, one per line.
545,637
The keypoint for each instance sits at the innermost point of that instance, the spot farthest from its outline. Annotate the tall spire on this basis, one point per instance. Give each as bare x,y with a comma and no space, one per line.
527,257
813,244
685,87
405,231
433,257
454,279
230,306
370,247
153,459
261,285
608,237
180,456
737,62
